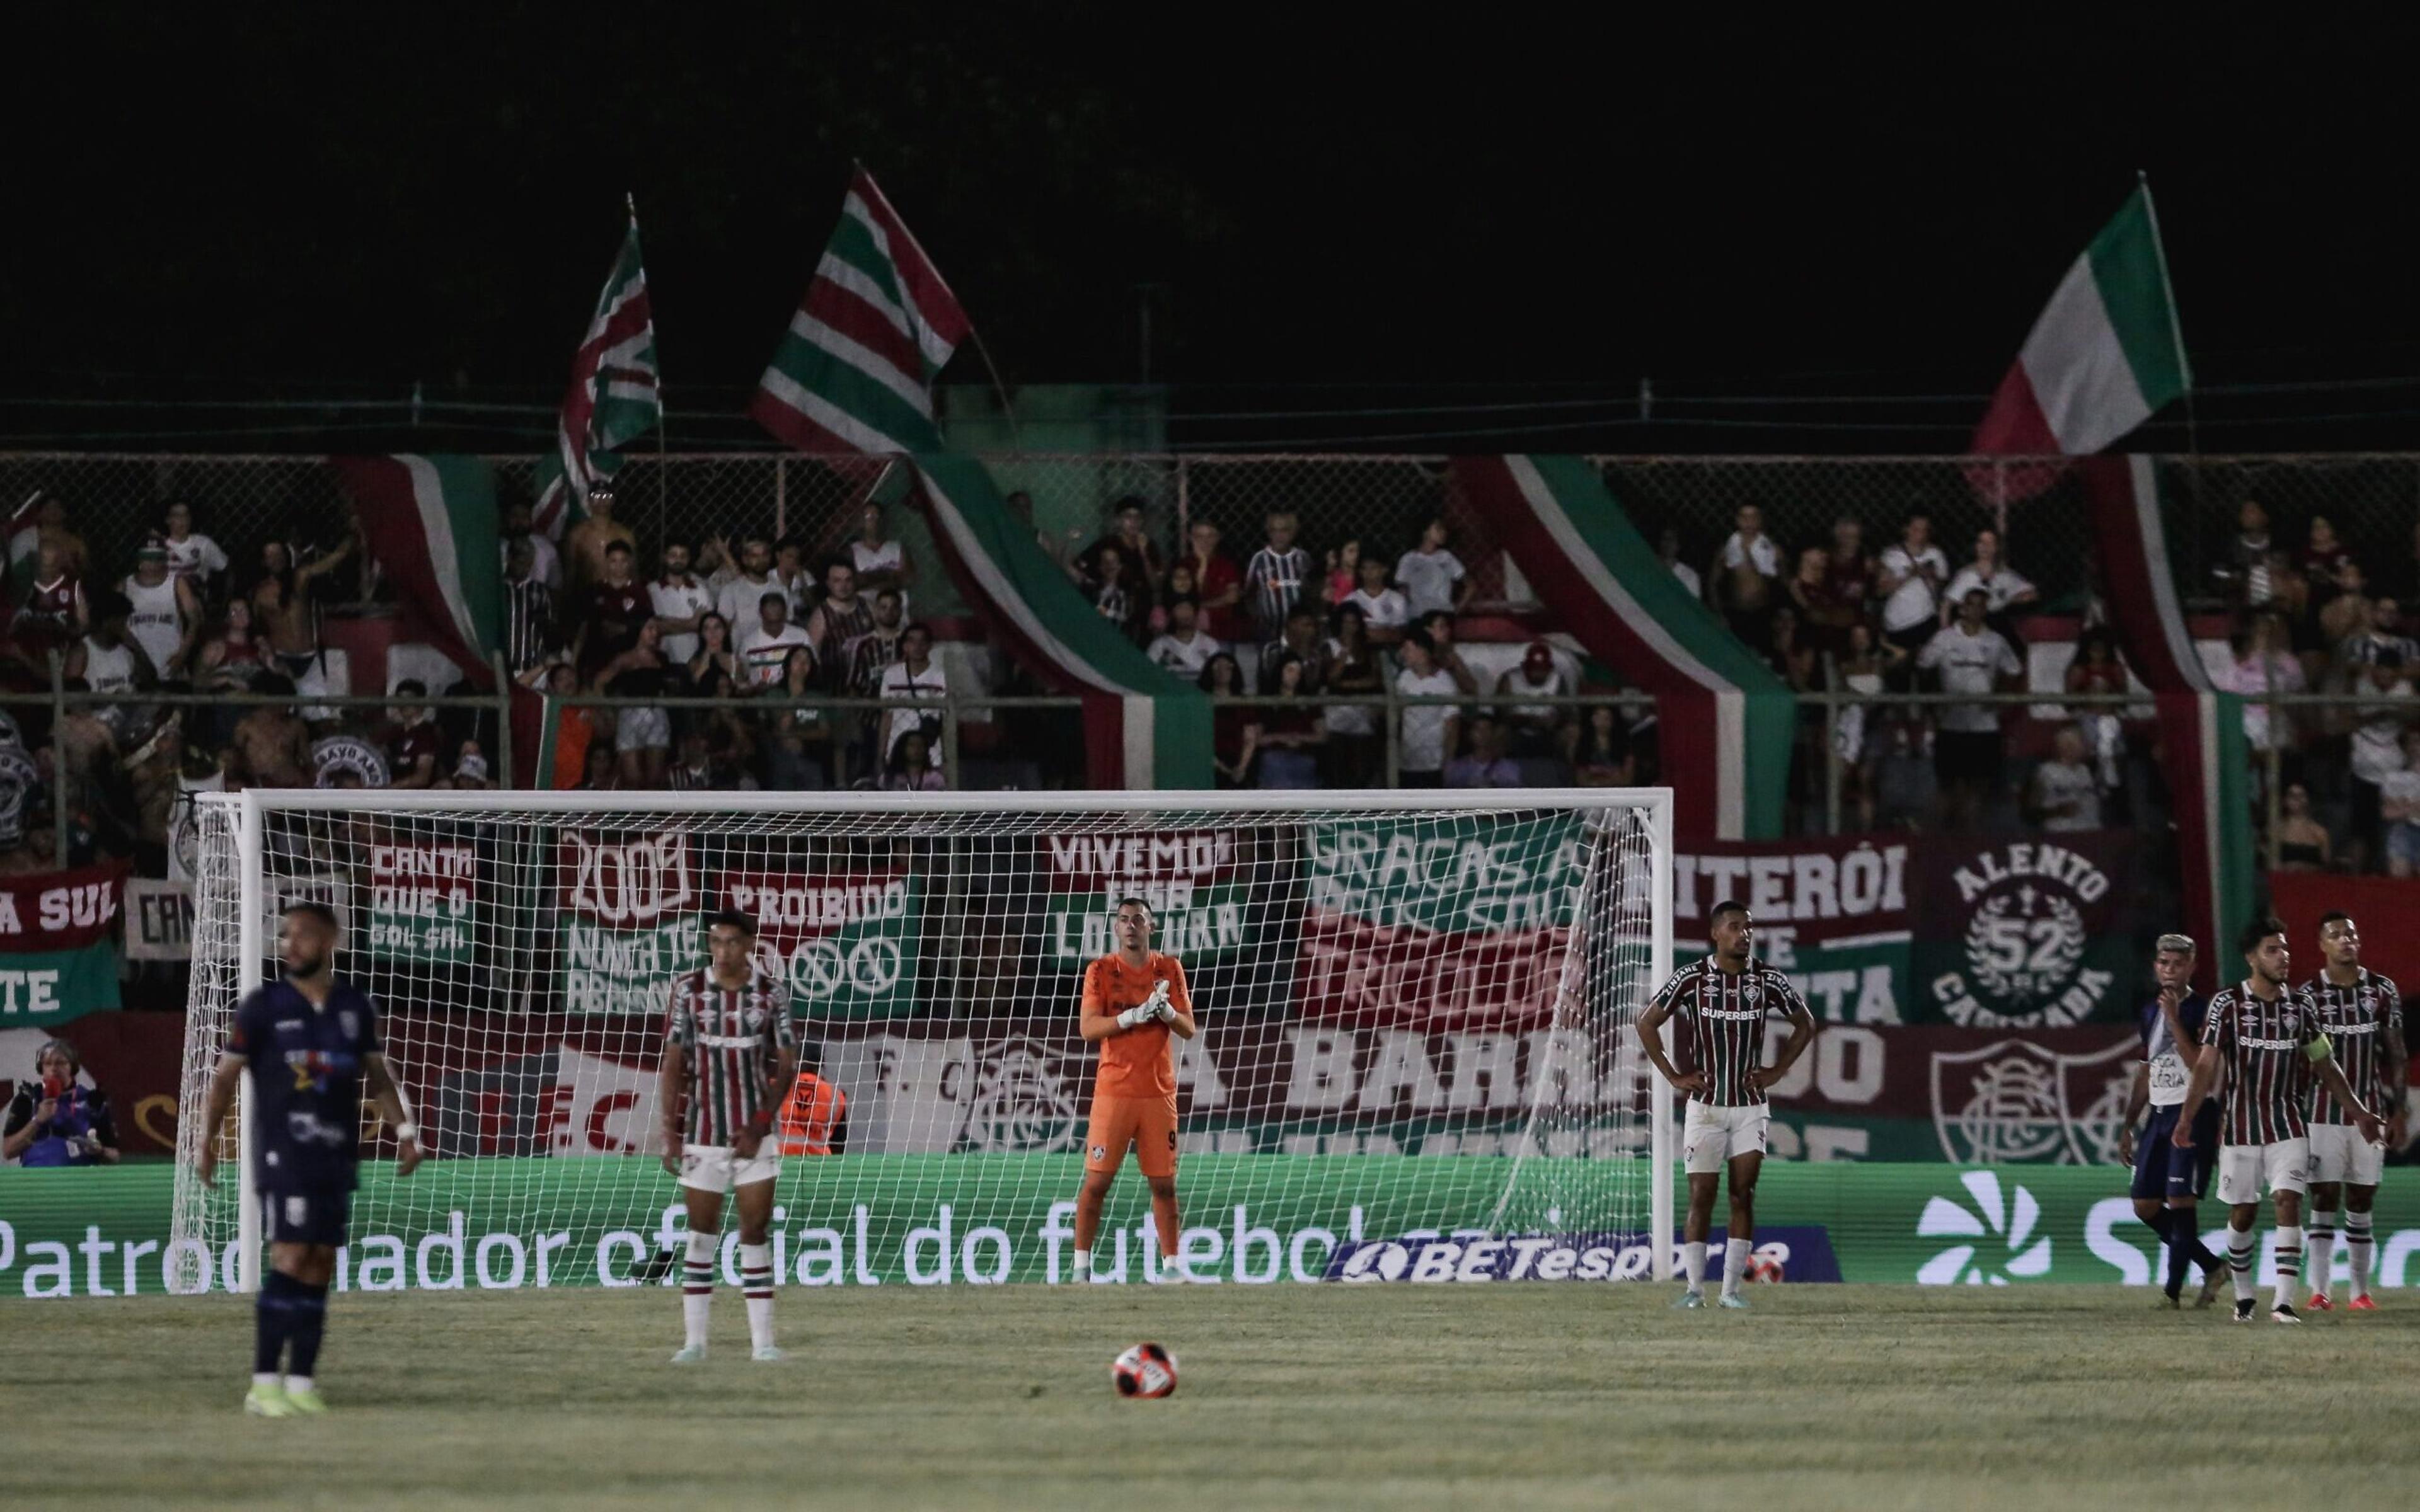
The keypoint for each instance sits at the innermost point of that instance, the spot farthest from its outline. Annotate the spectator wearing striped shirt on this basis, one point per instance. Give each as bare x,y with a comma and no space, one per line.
868,655
842,616
529,608
1273,581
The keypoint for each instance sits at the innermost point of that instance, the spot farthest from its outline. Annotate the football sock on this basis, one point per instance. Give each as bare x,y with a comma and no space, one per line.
697,1287
1693,1264
1084,1266
1163,1218
2357,1237
2183,1245
2239,1262
2322,1249
2289,1262
757,1284
272,1319
308,1323
2159,1222
1735,1254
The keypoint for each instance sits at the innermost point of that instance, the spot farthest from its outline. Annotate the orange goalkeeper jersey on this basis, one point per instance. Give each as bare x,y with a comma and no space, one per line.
1136,1062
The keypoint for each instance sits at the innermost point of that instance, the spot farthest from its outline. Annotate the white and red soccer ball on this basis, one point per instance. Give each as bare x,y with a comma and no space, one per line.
1144,1370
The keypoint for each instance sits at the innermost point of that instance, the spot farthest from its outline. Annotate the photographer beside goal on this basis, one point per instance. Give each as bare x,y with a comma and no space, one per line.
1134,997
1722,1002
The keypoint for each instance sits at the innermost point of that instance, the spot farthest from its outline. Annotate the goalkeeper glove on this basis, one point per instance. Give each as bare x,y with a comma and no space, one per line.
1138,1016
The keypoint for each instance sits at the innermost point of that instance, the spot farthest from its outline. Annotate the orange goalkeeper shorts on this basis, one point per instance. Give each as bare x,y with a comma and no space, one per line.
1147,1123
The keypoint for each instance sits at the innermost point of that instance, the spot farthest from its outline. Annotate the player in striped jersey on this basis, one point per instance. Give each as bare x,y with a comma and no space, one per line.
730,1054
2362,1014
1722,1002
2268,1042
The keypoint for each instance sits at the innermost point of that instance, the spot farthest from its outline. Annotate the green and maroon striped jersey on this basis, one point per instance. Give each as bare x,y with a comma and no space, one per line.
1722,1019
734,1038
2262,1044
2355,1018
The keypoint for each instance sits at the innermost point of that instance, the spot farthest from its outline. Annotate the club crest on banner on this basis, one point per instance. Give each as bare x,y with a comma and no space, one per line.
2015,1101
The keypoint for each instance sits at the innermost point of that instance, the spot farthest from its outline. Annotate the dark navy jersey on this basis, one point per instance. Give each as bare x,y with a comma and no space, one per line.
2171,1063
307,1082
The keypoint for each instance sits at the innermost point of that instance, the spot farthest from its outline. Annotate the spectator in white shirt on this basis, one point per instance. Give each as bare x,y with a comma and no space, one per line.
546,561
681,600
2064,795
1971,657
914,676
2261,666
1185,649
2002,588
1667,549
1428,730
765,645
1384,608
195,558
1431,576
1909,581
736,596
2378,753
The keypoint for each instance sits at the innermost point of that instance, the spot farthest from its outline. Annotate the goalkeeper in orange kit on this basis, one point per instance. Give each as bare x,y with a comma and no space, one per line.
1134,997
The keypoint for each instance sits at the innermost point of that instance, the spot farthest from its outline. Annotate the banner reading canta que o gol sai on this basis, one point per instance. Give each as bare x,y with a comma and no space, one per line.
1192,879
58,959
423,901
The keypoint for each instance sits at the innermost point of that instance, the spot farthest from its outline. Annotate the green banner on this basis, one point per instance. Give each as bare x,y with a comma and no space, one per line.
845,943
1192,880
423,901
39,988
1447,874
932,1220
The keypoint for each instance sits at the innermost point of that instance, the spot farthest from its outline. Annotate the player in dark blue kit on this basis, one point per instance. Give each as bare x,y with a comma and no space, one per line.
312,1045
2170,1183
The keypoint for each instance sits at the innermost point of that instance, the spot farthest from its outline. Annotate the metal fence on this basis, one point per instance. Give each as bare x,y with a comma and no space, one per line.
2372,499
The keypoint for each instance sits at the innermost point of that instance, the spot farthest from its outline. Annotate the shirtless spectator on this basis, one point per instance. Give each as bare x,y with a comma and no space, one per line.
271,745
282,608
1744,576
588,542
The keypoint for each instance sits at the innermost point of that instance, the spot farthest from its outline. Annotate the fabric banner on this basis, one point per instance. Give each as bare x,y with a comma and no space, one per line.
430,522
1725,720
1192,879
630,907
2380,906
1833,914
58,945
2208,760
927,1221
423,903
1143,728
1397,933
614,397
2030,933
159,919
845,943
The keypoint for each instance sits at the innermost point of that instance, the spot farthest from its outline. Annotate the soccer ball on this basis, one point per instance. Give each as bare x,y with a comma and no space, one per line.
1144,1370
1765,1265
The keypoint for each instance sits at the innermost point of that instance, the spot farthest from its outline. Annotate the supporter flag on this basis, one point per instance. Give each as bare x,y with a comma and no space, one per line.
58,943
615,396
2102,358
1143,727
854,373
2208,762
1723,719
430,524
24,545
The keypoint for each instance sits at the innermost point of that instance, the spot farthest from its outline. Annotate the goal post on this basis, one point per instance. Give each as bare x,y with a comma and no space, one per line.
1417,1053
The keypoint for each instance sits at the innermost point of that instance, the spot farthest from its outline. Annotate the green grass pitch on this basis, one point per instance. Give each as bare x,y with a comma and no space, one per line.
1509,1396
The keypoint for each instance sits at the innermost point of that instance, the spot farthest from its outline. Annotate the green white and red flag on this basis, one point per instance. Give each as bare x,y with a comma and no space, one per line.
2104,357
615,394
855,370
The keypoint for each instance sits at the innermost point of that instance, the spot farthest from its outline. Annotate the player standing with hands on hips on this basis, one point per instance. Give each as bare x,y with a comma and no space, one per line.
2268,1043
1134,997
1722,1002
2362,1014
730,1056
312,1043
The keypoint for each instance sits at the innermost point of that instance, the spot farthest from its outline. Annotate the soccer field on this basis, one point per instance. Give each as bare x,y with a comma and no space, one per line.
1292,1397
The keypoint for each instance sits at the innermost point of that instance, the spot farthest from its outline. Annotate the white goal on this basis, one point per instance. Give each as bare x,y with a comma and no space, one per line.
1417,1059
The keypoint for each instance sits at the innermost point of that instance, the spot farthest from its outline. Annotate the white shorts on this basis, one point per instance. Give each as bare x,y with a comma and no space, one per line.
1711,1137
2243,1168
647,729
717,1168
2339,1153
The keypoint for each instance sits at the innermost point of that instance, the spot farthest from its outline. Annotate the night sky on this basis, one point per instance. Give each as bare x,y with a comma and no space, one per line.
1477,214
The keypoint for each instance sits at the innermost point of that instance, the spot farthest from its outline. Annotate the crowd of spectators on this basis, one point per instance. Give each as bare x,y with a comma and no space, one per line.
1308,630
2310,620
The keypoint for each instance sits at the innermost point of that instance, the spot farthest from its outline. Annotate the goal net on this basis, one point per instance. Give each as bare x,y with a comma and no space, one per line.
1416,1058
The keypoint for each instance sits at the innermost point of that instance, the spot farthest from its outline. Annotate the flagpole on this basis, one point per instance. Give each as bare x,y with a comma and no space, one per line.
2176,323
1016,437
663,415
